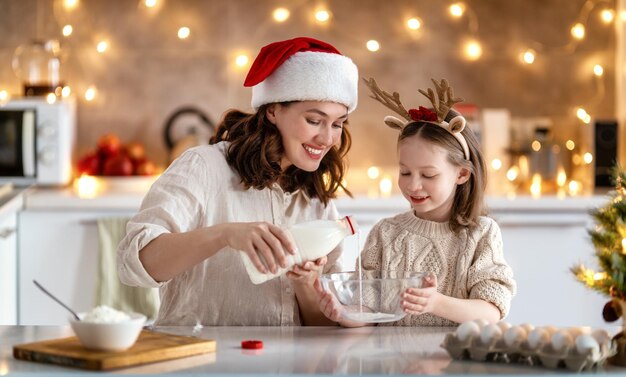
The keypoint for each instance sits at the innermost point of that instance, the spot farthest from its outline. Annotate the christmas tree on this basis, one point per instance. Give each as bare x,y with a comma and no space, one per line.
609,241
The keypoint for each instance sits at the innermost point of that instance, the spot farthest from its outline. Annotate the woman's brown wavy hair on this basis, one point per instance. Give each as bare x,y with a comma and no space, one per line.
469,198
256,150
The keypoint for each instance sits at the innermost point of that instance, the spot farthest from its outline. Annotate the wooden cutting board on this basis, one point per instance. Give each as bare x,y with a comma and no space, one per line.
150,347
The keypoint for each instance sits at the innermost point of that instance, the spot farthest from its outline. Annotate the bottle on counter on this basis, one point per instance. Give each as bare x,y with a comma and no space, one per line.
314,239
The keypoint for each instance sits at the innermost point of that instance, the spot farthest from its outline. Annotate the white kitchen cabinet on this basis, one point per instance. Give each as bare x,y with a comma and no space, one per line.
11,202
541,248
8,269
59,249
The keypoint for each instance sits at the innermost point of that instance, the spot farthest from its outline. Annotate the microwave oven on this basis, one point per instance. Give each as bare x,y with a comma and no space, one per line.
37,141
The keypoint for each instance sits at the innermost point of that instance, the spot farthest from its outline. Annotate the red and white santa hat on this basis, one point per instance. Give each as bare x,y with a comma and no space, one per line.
302,69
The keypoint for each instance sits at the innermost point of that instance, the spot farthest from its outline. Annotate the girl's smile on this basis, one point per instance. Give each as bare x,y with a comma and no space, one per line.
418,199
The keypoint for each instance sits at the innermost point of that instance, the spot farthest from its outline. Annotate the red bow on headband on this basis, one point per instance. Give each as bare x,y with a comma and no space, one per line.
423,114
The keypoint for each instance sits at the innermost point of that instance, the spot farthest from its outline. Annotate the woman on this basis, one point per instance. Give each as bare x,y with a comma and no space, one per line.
264,171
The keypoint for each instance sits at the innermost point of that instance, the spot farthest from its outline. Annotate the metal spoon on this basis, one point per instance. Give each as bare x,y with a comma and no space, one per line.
56,299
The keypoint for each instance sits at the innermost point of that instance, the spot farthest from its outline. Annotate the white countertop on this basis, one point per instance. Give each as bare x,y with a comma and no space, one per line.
290,351
66,198
519,211
12,201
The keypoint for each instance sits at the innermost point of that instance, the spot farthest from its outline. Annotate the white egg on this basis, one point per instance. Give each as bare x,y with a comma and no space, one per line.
585,343
562,340
467,330
551,329
503,325
514,335
576,331
528,327
490,333
538,337
586,329
481,322
601,336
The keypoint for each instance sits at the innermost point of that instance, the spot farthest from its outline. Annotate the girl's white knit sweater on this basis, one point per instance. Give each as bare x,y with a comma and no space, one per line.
469,264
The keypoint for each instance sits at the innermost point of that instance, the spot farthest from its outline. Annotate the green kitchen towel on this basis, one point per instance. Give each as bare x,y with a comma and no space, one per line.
109,289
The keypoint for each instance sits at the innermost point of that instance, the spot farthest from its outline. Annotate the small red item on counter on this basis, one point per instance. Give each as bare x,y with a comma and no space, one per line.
252,344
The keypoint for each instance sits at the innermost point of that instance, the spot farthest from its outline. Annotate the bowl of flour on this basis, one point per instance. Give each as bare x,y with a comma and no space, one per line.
107,329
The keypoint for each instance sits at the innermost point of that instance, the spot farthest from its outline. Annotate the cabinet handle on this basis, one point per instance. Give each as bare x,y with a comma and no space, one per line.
6,232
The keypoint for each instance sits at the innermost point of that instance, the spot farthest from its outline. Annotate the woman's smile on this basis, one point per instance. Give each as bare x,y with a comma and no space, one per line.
314,153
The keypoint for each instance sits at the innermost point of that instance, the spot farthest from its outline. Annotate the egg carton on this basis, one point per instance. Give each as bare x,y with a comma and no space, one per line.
522,353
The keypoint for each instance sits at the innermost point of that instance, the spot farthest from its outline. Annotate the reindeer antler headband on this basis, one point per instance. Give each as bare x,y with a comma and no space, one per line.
442,103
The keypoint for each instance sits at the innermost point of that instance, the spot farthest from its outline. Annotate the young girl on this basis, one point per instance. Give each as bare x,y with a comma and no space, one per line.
264,171
442,175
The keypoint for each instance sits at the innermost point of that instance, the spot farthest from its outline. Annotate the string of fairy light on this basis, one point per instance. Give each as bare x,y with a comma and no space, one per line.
472,48
321,14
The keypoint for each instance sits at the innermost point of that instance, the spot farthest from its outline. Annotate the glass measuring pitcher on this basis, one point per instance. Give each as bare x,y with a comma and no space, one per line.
38,66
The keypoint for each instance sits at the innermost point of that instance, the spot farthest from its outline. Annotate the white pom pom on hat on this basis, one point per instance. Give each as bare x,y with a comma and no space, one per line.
302,69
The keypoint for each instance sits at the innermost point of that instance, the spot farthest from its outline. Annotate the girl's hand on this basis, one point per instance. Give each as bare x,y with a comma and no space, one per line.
307,272
266,244
421,300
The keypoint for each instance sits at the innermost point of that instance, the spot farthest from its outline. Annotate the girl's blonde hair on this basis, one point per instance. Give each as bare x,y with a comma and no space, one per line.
468,204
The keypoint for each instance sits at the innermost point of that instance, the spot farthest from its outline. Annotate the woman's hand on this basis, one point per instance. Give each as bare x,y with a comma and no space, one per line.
266,244
329,306
332,308
421,300
307,272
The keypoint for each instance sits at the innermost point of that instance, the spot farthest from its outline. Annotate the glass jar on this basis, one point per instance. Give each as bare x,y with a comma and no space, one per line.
549,159
38,66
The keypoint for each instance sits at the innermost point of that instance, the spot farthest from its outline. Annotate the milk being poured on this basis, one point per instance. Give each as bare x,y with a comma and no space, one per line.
314,239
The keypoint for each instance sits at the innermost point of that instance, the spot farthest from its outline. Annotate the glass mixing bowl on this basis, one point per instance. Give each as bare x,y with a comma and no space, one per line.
373,297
